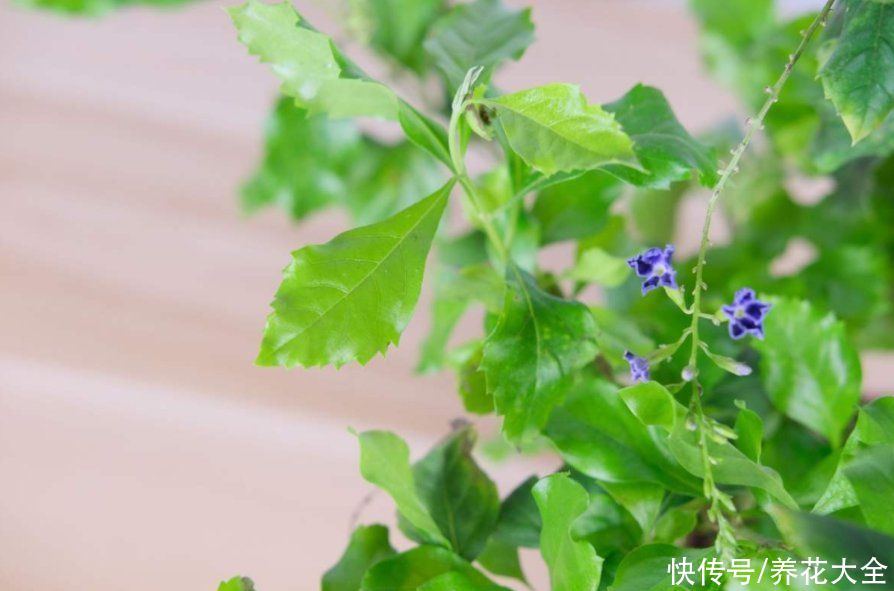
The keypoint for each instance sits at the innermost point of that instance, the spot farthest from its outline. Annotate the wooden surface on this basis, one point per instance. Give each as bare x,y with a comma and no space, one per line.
140,448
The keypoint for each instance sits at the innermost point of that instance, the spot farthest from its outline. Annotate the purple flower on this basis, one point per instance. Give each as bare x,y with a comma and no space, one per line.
746,314
639,367
655,265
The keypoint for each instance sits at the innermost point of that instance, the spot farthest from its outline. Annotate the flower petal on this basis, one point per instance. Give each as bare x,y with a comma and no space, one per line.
650,284
744,295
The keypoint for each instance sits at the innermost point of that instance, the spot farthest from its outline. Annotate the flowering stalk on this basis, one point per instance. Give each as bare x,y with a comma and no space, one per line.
726,542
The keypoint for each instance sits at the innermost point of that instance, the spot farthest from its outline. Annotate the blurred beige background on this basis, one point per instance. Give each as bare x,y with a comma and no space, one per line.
139,446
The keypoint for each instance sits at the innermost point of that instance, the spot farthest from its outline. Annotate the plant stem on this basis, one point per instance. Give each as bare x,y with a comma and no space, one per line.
459,167
754,124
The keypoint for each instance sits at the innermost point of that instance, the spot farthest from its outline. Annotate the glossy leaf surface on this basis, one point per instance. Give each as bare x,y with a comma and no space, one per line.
368,545
554,129
810,368
858,77
385,462
573,565
460,497
305,63
351,298
537,342
662,145
481,33
410,570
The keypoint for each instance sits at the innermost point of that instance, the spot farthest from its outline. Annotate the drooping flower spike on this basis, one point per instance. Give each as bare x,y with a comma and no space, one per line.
746,314
639,367
655,265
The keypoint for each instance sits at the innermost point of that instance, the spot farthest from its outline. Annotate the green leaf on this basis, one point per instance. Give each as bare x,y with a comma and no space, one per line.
858,76
663,147
92,8
875,425
385,462
645,569
312,162
852,281
352,297
619,333
576,208
832,146
425,133
554,129
237,584
459,496
73,7
473,385
455,291
641,499
307,162
873,428
606,526
651,403
654,405
810,369
871,474
501,558
399,26
596,266
677,522
653,213
301,58
839,494
733,366
481,33
539,339
598,435
345,98
410,570
573,565
737,21
731,467
833,539
454,581
520,523
750,432
369,544
305,63
446,313
393,178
